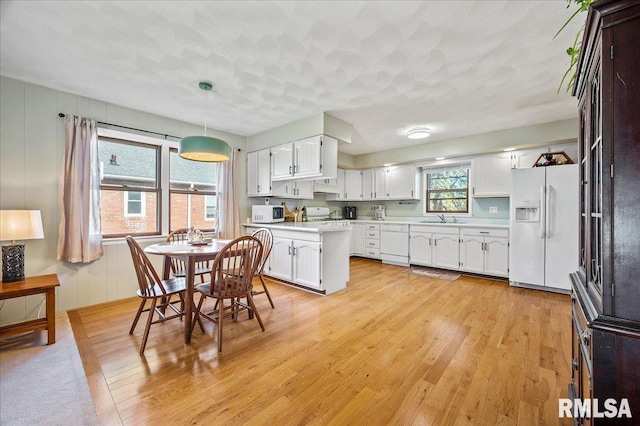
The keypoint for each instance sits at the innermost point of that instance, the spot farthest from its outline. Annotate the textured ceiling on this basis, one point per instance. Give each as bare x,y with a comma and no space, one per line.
459,67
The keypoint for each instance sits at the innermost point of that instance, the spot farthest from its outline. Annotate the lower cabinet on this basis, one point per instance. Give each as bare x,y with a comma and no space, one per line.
484,251
434,246
296,261
357,239
317,261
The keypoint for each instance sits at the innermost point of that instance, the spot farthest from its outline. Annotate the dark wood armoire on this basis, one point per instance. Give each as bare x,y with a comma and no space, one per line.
606,288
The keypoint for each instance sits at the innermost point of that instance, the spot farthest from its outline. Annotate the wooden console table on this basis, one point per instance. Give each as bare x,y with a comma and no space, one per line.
33,285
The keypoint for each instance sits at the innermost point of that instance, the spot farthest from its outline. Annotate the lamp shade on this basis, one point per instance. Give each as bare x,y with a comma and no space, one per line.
204,148
18,225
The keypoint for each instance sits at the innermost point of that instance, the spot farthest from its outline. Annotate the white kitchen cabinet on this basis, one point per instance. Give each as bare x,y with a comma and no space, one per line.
485,251
380,184
282,162
372,240
352,185
296,261
306,263
399,182
357,239
259,173
368,184
434,246
490,175
403,182
315,157
340,183
293,189
315,261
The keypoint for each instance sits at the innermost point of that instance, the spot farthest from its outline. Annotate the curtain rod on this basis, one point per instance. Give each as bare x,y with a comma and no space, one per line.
61,115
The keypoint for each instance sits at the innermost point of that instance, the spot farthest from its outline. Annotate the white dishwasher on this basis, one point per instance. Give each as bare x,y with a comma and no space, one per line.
394,244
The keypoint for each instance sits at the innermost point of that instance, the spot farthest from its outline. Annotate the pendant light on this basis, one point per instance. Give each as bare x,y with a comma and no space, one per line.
204,148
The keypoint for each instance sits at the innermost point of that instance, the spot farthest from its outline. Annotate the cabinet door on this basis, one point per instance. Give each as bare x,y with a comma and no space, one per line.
446,251
306,263
526,158
304,189
281,259
472,254
252,174
353,185
380,184
282,162
263,172
282,189
496,256
357,239
420,249
401,182
308,157
490,176
368,187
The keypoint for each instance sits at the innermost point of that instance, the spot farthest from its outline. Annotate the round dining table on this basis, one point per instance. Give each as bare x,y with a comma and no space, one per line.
190,254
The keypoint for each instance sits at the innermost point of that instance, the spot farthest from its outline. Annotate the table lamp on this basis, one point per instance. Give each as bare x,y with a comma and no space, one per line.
17,225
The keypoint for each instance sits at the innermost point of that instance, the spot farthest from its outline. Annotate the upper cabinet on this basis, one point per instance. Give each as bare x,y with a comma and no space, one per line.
315,157
259,173
400,182
368,184
353,185
490,175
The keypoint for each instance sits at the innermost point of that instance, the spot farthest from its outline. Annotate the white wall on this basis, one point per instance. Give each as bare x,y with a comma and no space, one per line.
31,151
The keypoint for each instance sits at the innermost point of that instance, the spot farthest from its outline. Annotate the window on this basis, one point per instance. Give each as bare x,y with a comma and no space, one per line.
210,207
129,187
146,188
192,188
134,204
447,189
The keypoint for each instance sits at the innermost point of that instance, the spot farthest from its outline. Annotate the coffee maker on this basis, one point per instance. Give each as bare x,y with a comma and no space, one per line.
350,212
378,211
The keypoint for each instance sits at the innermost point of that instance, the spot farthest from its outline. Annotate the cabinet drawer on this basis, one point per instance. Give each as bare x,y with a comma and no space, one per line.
372,227
374,235
372,252
369,244
484,232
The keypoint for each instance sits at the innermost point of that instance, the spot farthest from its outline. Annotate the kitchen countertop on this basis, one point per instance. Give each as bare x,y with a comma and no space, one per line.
328,226
338,225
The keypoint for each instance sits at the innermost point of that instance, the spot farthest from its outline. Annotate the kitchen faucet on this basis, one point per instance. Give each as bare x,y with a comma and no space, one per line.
442,218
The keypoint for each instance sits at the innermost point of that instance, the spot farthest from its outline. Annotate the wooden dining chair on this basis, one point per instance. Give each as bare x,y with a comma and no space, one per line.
242,255
159,292
265,236
178,268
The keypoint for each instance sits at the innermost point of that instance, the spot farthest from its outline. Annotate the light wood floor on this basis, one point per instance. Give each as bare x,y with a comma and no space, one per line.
393,348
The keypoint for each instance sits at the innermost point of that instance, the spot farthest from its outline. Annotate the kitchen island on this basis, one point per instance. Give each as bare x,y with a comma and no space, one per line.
312,256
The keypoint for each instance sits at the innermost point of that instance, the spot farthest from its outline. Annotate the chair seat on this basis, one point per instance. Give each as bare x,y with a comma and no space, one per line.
171,286
206,289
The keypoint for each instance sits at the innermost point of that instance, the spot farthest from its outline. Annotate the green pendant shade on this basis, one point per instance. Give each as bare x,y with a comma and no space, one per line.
204,148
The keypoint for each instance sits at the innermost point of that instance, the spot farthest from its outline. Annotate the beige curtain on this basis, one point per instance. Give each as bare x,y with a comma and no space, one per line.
228,221
80,233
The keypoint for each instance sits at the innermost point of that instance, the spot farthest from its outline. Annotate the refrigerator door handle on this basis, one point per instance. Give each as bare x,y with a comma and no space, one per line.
543,209
547,213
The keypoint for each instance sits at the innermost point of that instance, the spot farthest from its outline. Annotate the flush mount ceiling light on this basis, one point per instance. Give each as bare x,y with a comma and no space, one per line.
509,149
204,148
420,132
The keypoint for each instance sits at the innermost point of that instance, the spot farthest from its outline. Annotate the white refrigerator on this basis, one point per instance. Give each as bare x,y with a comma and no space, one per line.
544,222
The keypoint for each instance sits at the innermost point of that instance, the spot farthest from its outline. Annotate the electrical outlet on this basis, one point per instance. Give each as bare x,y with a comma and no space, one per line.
493,209
266,201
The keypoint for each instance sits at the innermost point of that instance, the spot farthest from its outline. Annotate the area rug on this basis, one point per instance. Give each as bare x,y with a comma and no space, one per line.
44,384
432,273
